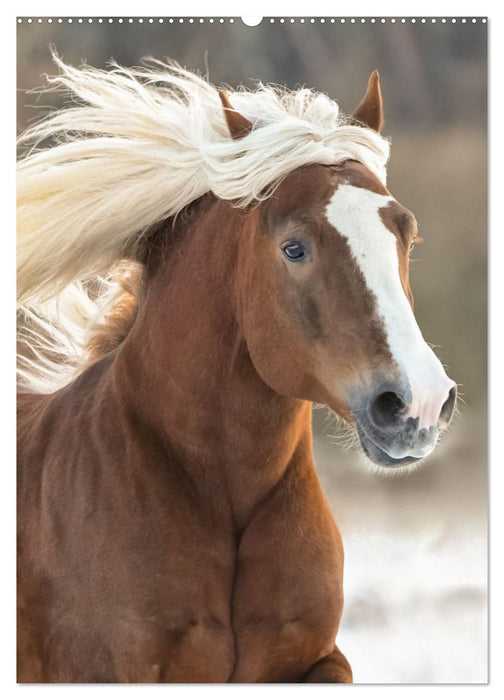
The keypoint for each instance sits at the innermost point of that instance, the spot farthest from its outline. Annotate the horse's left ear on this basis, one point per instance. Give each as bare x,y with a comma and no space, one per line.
370,110
239,126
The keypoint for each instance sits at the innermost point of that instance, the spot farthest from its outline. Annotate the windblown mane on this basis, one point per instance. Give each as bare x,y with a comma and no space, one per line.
137,147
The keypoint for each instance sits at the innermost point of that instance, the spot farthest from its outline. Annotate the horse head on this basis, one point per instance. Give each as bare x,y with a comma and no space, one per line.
326,307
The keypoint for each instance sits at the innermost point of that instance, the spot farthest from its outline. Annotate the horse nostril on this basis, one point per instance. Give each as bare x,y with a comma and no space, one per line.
386,409
448,407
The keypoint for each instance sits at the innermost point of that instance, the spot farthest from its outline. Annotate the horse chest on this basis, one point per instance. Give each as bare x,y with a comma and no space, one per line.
228,635
202,619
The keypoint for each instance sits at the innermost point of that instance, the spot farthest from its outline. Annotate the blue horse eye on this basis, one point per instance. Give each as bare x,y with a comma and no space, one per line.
295,251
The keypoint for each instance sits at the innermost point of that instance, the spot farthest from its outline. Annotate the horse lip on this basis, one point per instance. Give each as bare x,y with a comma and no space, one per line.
378,455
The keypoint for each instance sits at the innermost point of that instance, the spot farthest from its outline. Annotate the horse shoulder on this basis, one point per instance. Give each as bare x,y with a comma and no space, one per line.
112,543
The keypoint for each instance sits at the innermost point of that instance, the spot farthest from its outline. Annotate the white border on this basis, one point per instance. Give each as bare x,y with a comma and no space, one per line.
427,8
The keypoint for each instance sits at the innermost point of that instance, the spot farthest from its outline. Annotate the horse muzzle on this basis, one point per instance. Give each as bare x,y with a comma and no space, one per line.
397,427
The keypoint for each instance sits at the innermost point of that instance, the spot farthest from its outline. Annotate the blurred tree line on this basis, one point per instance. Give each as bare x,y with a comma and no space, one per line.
431,73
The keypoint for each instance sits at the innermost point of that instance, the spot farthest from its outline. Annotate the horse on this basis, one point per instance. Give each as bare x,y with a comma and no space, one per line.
171,523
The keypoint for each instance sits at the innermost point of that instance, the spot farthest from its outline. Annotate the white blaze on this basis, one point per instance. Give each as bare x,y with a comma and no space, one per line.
355,214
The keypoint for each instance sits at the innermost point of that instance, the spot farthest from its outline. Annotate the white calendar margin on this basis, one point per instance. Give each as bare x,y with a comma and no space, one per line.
259,8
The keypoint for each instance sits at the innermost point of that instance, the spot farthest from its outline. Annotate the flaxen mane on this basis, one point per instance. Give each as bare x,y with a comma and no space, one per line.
135,148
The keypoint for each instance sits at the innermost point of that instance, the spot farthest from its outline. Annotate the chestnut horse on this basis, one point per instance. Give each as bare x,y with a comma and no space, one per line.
172,527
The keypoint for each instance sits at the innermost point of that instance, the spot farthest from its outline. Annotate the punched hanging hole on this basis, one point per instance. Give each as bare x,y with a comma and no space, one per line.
251,21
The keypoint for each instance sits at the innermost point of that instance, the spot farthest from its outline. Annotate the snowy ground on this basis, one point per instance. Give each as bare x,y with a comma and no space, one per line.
415,611
415,563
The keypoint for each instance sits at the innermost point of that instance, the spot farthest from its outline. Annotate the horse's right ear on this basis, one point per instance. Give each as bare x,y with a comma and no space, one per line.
238,125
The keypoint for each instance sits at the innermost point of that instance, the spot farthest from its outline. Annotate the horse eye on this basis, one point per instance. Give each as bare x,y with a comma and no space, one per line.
295,251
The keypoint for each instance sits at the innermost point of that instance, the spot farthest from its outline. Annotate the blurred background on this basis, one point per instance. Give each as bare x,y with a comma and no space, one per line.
416,545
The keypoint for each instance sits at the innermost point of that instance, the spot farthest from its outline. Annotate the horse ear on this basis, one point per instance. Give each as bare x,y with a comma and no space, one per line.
370,110
239,126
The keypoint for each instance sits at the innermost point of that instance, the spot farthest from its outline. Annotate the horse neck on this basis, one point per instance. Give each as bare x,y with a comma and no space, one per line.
186,367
